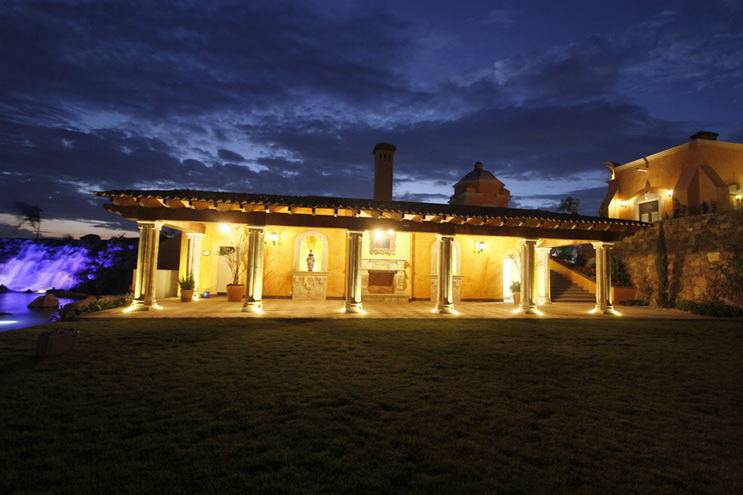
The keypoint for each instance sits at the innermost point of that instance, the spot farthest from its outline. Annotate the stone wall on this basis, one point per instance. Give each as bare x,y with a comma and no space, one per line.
699,248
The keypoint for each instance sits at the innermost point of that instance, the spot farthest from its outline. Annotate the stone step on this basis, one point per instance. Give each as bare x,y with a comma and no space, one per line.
564,290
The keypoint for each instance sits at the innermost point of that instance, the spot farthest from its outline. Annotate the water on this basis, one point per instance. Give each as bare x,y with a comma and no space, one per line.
38,266
21,316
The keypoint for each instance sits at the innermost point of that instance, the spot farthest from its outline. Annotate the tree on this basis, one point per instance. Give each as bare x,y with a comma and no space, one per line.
569,204
661,267
29,214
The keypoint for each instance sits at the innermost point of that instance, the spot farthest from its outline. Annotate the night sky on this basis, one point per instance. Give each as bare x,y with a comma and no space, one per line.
291,97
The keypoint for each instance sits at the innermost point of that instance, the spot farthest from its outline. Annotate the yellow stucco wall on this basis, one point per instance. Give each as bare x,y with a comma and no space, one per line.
664,170
482,272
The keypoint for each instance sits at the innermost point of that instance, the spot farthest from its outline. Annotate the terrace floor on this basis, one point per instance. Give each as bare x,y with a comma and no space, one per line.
219,307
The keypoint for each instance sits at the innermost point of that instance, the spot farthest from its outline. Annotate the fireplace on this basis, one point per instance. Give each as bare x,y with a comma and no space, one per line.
381,282
384,280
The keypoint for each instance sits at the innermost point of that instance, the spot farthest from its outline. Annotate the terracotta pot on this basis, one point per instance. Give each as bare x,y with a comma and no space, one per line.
516,298
186,295
235,293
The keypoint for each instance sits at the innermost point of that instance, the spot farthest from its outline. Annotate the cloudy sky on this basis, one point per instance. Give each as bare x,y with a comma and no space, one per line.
290,97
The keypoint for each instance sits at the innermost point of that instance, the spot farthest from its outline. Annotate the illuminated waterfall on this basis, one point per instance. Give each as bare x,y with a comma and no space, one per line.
38,266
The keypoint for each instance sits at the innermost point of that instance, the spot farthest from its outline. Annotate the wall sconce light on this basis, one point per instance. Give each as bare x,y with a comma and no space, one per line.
205,252
224,228
273,238
669,193
380,235
480,247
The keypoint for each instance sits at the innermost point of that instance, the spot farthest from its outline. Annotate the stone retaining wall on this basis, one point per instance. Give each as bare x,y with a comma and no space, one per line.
699,247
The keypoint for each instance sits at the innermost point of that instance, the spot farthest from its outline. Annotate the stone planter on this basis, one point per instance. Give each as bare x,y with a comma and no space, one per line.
516,298
235,293
186,295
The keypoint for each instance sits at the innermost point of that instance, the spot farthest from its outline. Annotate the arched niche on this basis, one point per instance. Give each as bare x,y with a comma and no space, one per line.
318,243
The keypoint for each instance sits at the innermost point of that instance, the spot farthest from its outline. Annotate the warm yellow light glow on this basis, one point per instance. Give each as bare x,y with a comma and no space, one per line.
273,237
669,192
224,228
739,196
480,247
129,308
380,235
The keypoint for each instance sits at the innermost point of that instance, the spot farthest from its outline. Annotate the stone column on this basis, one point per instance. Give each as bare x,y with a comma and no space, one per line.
604,304
139,273
254,276
150,233
193,259
543,266
528,269
445,301
353,273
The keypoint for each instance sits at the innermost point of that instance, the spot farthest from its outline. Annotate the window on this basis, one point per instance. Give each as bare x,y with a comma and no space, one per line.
649,211
736,196
382,242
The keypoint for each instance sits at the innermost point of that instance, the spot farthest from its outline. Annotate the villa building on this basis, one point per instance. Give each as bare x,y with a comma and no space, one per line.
316,248
699,176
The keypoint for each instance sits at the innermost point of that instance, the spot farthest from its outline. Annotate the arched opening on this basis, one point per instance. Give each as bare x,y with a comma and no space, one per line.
311,252
511,274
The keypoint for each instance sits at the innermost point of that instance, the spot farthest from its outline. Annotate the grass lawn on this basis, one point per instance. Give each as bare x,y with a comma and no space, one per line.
376,406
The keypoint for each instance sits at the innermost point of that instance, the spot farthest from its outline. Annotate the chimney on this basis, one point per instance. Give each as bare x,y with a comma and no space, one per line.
708,135
384,155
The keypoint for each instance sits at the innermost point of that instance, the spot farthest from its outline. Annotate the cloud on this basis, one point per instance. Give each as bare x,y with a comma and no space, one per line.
230,155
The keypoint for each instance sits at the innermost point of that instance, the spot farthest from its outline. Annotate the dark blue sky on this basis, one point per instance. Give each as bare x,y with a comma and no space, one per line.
290,97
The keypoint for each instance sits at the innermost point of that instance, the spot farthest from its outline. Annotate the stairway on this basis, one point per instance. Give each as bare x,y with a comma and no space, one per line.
563,290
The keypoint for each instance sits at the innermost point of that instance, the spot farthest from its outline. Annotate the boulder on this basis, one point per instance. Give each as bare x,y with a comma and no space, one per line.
3,289
55,342
45,301
82,304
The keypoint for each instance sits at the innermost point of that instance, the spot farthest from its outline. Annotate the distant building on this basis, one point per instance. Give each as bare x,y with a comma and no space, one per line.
481,188
700,176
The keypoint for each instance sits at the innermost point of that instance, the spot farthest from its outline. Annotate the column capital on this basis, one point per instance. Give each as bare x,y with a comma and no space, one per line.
256,227
194,235
602,244
149,224
355,232
529,241
543,249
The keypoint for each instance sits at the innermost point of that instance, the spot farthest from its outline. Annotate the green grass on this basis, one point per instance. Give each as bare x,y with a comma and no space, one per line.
376,406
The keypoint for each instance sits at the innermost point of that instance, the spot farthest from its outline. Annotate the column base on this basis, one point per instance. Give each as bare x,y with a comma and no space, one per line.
354,308
445,309
609,311
139,305
253,307
529,310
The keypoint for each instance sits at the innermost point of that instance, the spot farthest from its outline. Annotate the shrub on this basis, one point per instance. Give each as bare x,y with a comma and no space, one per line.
187,282
709,308
661,266
515,286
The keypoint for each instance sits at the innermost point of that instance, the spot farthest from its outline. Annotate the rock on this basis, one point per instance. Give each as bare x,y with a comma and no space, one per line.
3,313
82,304
56,342
3,289
45,301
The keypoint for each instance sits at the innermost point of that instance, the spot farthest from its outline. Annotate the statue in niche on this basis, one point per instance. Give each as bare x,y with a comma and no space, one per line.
311,262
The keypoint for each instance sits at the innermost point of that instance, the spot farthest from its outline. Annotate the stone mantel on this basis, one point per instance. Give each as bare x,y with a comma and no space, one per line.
309,285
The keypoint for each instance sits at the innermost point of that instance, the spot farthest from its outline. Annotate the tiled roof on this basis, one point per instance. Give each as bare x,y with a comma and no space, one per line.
402,207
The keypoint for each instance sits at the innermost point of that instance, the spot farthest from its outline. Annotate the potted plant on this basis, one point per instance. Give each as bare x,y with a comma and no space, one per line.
516,291
236,263
187,284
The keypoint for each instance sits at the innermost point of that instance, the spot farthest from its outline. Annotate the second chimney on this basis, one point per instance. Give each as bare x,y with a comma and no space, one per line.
384,157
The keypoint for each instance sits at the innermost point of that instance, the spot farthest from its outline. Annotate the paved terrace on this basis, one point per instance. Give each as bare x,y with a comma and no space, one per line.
219,307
